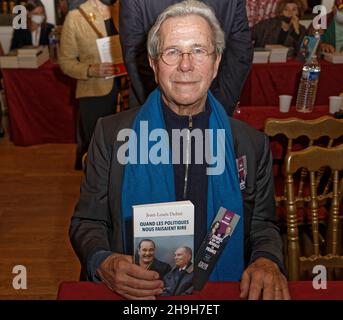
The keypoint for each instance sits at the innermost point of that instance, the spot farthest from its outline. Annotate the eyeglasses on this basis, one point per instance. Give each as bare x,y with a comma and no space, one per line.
173,56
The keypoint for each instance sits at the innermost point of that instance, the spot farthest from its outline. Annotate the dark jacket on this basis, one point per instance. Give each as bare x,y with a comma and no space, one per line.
267,32
177,282
97,225
22,37
161,267
138,16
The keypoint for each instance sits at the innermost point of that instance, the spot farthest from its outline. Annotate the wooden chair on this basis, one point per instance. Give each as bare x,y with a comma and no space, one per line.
327,193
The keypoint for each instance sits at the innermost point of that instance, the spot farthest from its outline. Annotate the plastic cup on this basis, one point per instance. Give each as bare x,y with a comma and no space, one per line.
285,102
335,104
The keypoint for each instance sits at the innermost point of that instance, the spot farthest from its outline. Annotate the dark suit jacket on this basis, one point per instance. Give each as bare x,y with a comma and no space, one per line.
22,37
97,224
178,283
138,16
267,32
161,267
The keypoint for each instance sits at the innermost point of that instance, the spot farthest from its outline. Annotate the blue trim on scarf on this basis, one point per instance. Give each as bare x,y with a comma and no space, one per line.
156,184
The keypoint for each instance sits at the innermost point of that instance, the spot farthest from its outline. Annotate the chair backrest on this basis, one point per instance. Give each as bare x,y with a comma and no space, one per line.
313,130
313,159
294,128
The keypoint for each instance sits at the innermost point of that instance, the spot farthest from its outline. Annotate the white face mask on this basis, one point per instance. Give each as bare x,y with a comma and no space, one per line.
339,16
37,19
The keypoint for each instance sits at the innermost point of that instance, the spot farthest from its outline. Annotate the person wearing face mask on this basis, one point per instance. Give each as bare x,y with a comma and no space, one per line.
332,38
38,29
284,29
79,58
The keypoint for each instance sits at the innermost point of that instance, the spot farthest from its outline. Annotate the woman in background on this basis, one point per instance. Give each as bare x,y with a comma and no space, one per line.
79,58
38,29
285,29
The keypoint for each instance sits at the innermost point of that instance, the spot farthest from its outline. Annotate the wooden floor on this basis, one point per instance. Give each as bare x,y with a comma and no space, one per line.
38,191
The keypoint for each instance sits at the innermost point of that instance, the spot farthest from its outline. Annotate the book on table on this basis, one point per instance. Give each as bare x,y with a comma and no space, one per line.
163,241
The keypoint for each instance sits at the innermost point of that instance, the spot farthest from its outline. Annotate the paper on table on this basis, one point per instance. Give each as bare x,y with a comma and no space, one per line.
110,51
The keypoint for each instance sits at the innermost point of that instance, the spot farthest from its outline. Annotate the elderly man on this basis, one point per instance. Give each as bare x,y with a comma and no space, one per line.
185,46
147,260
136,19
179,280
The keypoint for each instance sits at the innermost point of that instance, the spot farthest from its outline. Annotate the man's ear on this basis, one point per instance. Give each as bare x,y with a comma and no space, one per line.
216,65
154,66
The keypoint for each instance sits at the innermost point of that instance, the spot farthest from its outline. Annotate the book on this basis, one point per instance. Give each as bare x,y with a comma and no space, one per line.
109,49
30,51
336,57
278,53
261,55
9,62
308,48
163,241
222,228
39,57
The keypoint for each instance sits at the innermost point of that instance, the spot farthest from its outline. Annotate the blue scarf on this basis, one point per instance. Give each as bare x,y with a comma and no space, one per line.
153,183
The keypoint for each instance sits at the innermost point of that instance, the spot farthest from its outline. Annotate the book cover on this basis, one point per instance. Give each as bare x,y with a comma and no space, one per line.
308,48
213,245
109,49
164,242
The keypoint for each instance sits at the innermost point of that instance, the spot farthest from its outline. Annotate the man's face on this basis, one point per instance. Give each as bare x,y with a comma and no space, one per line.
290,10
182,257
185,84
146,252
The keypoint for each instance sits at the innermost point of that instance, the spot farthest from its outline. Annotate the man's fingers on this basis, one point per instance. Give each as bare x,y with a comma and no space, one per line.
256,286
284,288
270,291
140,273
141,284
244,285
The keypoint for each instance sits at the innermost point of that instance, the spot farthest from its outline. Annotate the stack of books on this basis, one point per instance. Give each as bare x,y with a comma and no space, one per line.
9,62
26,57
336,57
261,55
32,57
278,53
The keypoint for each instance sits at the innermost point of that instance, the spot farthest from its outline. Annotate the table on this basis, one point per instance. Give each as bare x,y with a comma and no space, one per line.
257,115
267,81
299,290
41,105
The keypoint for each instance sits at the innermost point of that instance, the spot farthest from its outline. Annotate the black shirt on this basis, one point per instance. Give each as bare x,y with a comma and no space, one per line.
196,191
110,27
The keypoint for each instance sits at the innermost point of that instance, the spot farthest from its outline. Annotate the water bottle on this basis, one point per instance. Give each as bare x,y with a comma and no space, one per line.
308,85
54,45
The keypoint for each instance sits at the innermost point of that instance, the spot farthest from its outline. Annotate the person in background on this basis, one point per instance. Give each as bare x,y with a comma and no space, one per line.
147,260
285,29
73,4
38,29
136,19
79,58
259,10
185,46
332,38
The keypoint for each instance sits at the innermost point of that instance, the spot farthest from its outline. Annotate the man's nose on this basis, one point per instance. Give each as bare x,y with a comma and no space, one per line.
186,63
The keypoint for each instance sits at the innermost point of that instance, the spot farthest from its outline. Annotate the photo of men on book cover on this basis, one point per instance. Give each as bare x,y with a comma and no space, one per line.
172,258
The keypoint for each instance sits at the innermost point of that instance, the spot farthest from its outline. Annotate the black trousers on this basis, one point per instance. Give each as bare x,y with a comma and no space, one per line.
90,110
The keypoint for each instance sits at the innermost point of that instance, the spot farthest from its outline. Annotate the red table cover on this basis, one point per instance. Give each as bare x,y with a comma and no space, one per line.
267,81
41,105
